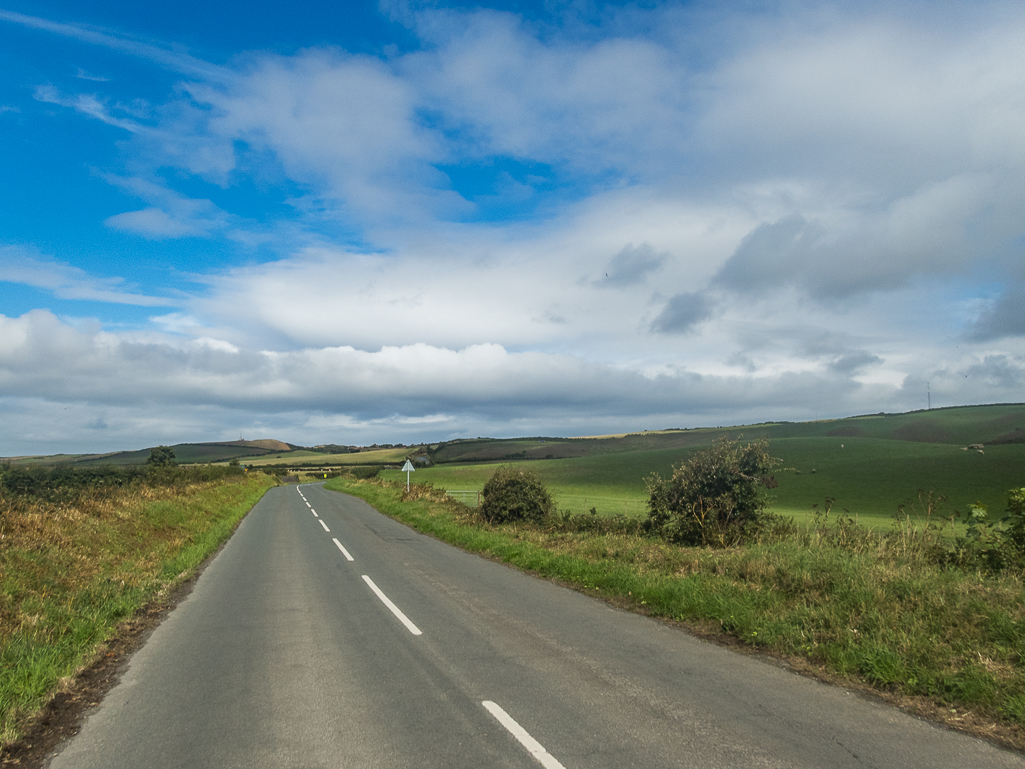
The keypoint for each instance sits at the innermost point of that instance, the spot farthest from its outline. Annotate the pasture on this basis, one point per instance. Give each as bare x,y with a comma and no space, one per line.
869,465
317,459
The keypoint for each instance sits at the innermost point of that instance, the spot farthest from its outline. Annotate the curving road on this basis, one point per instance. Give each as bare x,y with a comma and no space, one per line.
327,635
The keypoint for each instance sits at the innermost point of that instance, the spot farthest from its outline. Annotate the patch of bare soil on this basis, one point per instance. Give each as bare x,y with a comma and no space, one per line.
63,716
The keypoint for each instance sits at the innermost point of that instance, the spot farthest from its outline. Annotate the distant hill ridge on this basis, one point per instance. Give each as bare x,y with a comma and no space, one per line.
264,443
1002,423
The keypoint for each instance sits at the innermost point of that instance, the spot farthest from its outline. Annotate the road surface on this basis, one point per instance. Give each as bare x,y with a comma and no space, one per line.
327,635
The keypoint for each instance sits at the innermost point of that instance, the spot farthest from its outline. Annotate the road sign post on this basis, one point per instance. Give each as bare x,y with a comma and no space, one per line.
407,469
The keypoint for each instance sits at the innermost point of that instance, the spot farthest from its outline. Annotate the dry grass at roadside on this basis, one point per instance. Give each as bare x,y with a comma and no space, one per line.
71,570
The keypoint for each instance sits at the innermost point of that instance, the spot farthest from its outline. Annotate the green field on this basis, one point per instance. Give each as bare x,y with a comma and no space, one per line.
869,464
316,459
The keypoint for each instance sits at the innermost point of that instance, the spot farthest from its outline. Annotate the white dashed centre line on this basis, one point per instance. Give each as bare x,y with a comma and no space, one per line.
314,513
394,609
535,748
340,547
324,525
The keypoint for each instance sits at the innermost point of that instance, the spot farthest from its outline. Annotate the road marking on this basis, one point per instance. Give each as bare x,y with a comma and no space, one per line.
314,513
394,609
535,748
344,551
324,525
307,503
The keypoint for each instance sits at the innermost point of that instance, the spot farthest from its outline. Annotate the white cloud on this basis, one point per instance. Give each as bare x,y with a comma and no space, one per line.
173,216
88,104
344,124
20,265
827,202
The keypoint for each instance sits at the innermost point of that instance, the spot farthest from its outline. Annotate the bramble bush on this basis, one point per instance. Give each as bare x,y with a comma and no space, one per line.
992,545
514,495
714,498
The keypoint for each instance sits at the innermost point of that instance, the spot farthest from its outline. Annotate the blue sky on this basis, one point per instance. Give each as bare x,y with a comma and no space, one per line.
397,221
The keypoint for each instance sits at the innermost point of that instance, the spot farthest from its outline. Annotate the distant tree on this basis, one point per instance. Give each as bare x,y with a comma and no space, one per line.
716,497
162,456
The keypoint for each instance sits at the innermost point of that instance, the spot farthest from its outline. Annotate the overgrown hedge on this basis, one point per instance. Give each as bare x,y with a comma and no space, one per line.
63,483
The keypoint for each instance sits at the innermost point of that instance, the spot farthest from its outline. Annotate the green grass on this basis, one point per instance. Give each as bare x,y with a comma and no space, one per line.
314,459
869,477
69,574
860,606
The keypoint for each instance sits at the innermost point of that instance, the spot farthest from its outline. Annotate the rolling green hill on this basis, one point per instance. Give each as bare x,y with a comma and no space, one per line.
185,453
1003,423
869,464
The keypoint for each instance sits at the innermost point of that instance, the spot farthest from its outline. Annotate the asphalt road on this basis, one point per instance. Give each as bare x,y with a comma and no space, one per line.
415,654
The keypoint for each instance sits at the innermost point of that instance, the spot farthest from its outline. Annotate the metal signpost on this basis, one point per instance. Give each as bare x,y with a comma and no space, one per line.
407,469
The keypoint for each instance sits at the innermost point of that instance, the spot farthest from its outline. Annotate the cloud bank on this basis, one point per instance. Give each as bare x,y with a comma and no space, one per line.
670,216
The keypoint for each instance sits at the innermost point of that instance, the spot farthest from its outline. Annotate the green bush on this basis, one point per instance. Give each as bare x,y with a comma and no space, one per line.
514,495
162,456
716,497
1015,521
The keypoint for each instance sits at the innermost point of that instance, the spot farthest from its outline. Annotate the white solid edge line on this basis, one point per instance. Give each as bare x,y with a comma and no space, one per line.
340,547
394,609
324,525
535,748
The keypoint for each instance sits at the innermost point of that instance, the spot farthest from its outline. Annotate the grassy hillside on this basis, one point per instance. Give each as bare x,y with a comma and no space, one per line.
953,426
185,453
868,464
316,459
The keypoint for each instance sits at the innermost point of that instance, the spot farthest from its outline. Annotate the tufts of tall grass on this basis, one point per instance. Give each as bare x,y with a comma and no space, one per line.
883,608
79,558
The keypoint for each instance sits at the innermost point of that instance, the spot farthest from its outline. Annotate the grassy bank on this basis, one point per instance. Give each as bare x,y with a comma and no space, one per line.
74,563
852,603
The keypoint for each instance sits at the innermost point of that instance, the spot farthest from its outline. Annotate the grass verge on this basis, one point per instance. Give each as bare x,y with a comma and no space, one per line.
70,572
835,602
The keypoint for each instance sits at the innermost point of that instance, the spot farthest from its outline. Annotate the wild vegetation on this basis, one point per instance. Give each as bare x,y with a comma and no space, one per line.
514,495
715,496
83,548
934,621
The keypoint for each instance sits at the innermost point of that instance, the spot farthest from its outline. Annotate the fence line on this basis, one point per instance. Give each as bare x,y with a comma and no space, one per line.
469,497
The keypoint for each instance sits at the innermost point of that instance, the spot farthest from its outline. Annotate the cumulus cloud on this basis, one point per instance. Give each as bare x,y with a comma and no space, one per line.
42,357
827,203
